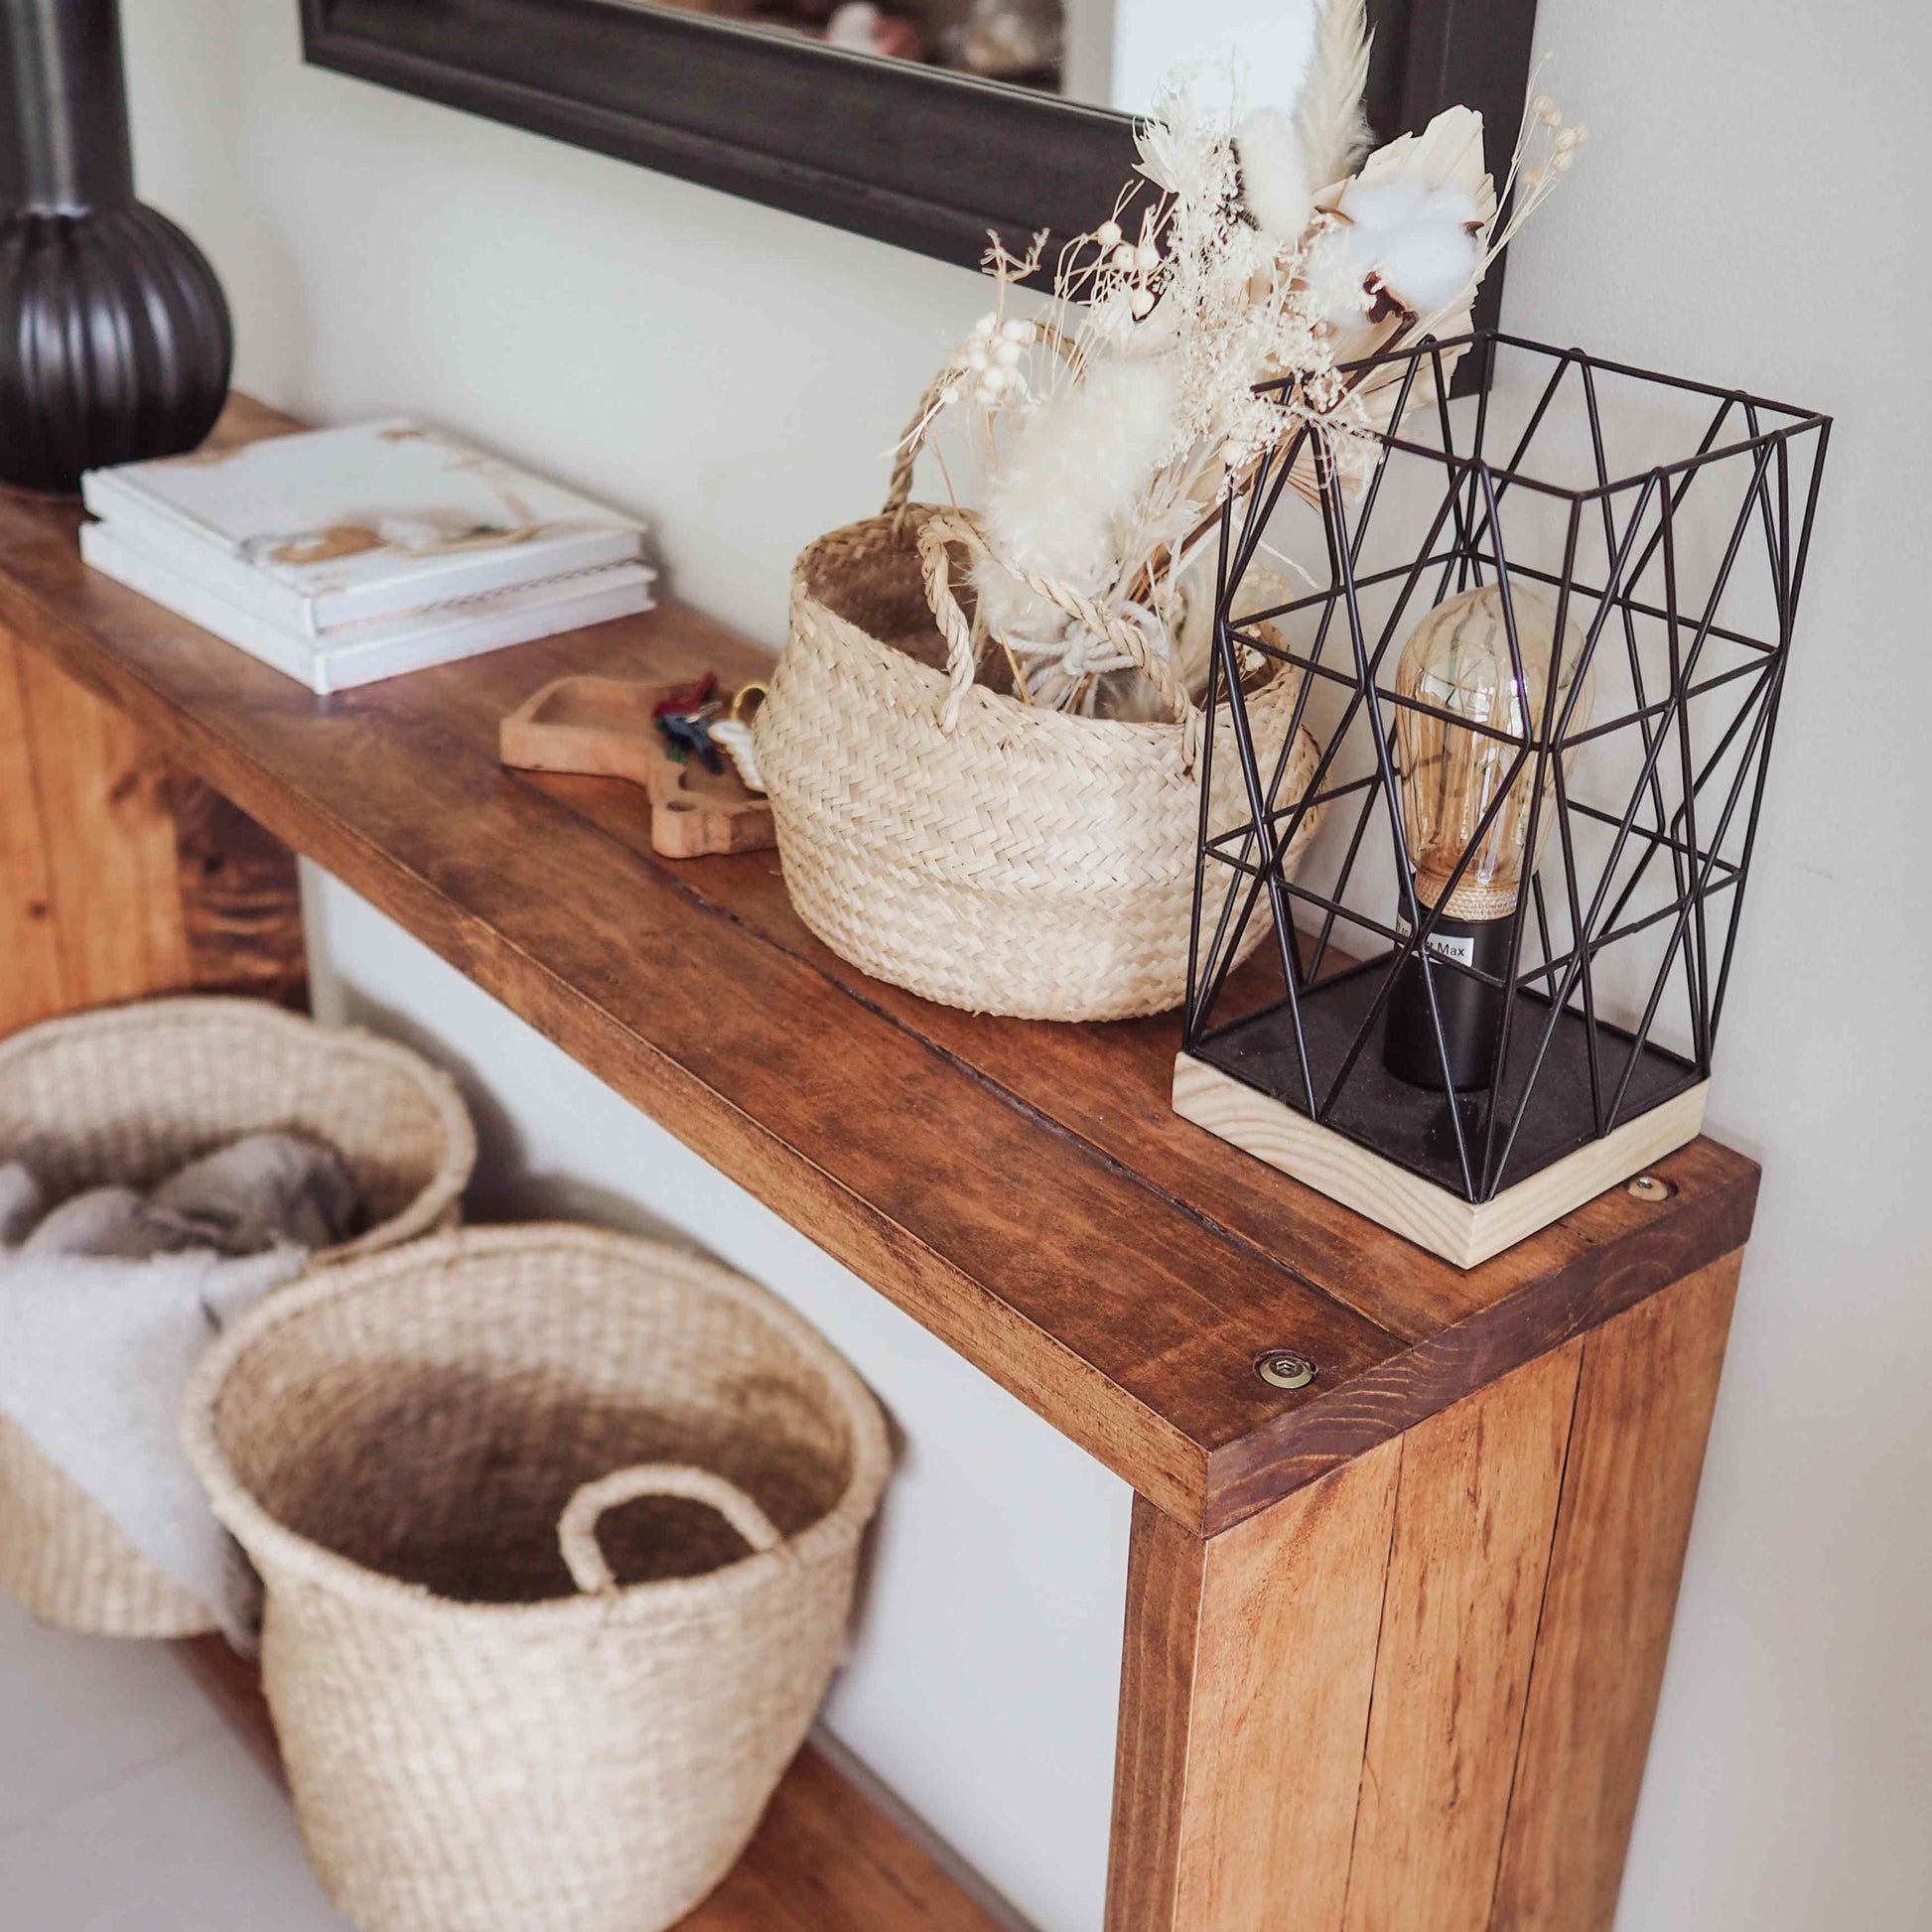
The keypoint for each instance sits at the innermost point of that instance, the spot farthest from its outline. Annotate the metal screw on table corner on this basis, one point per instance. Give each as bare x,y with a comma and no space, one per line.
1282,1368
1650,1188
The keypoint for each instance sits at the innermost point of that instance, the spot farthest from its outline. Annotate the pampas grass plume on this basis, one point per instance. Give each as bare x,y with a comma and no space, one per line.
1275,185
1330,119
1081,461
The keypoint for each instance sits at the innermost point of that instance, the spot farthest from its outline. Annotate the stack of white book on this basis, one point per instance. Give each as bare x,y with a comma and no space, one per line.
340,556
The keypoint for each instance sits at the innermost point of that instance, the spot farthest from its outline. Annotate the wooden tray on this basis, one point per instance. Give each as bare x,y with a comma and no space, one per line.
604,728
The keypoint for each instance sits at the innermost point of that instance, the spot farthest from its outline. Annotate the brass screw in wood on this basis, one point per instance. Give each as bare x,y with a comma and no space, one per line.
1282,1368
1650,1188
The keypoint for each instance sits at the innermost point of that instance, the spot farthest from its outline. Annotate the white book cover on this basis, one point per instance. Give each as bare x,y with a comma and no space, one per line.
336,526
382,648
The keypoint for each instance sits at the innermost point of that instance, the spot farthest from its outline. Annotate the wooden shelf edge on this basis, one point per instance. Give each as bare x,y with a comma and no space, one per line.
1309,1444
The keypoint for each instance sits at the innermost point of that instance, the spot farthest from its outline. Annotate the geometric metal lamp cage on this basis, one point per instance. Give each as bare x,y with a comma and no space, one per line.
1542,670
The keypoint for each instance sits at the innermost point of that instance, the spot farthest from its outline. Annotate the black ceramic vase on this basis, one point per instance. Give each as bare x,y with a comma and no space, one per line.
114,338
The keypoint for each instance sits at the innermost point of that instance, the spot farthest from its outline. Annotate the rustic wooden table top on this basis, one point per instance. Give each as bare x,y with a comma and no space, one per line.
1022,1189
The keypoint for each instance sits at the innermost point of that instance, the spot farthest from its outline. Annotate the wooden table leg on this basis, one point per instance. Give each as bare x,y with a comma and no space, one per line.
120,876
1415,1696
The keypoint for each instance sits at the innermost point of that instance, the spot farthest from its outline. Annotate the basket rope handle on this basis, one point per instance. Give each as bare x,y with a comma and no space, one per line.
946,529
899,492
583,1555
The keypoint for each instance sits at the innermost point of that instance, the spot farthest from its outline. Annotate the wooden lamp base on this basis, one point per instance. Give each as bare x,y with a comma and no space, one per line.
1460,1231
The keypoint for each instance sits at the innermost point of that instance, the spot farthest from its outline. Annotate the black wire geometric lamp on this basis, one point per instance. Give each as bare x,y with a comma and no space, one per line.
1542,673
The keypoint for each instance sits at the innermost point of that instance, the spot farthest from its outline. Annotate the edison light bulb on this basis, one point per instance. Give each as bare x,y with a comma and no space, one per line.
1458,661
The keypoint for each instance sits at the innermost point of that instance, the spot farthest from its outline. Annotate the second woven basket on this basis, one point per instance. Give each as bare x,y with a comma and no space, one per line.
128,1094
986,853
559,1530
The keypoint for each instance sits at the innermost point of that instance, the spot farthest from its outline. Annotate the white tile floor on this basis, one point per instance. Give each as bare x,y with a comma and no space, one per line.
126,1804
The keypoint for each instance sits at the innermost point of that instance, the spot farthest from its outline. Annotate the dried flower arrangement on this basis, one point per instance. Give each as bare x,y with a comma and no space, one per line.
1010,824
1111,427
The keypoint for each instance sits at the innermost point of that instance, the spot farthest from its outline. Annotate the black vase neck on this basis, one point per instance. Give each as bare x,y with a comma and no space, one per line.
67,148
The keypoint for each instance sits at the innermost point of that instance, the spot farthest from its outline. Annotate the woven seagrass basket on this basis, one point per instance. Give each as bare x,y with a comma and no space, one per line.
128,1094
498,1713
950,838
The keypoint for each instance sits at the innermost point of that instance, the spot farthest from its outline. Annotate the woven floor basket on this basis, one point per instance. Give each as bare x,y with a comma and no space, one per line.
484,1730
1023,861
128,1094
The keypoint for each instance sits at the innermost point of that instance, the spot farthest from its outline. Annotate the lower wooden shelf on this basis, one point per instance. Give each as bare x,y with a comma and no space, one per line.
825,1859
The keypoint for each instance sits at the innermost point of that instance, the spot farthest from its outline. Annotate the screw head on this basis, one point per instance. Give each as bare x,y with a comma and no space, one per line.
1282,1368
1650,1188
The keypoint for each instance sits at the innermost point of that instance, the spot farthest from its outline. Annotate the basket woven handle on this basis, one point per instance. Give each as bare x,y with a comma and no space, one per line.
584,1556
946,529
899,492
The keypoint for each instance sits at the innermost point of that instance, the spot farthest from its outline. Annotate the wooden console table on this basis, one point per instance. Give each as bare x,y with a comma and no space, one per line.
1394,1640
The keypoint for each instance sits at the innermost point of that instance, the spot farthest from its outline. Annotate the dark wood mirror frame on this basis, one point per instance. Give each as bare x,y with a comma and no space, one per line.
911,154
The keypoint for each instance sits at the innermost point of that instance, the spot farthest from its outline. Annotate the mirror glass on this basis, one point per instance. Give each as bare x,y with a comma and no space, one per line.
1102,52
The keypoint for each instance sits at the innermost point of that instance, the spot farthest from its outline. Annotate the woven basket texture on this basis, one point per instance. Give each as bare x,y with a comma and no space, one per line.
128,1094
474,1745
1027,861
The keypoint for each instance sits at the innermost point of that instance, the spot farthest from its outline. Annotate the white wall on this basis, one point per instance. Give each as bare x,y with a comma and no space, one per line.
1751,208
